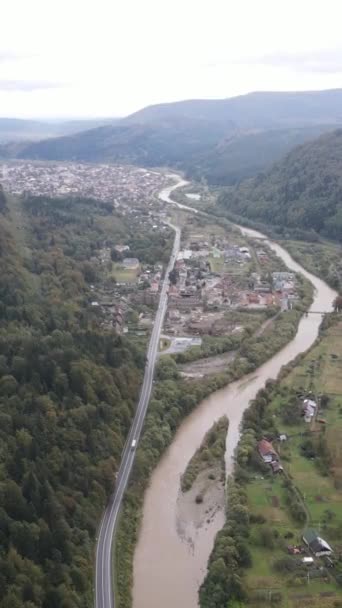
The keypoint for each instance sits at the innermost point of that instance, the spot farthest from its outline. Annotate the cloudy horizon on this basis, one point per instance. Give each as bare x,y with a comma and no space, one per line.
80,59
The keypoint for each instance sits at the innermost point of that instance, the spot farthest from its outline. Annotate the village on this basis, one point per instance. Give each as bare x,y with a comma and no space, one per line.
212,277
217,273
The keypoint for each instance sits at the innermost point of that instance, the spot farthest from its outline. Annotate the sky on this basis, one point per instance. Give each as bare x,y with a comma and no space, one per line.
94,58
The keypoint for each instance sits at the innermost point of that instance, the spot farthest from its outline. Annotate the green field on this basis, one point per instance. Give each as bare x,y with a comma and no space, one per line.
216,264
321,369
124,275
318,482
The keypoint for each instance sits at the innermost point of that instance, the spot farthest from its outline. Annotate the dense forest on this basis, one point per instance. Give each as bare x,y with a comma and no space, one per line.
68,390
303,191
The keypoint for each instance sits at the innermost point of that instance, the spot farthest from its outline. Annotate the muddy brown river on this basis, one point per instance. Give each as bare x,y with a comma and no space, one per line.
175,541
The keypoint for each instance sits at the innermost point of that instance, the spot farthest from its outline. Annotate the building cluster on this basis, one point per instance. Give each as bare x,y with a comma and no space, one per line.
121,185
211,278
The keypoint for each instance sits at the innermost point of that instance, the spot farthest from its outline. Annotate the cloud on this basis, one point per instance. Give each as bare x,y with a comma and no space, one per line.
29,85
322,62
318,62
6,55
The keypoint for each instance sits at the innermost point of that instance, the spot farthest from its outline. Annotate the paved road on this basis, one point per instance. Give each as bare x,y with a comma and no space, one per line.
104,596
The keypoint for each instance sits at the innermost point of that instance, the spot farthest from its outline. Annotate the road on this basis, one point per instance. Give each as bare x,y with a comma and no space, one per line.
104,596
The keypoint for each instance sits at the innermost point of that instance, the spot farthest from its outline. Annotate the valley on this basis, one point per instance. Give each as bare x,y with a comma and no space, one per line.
163,265
171,304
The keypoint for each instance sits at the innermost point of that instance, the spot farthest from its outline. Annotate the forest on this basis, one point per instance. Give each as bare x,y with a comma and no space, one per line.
68,390
303,191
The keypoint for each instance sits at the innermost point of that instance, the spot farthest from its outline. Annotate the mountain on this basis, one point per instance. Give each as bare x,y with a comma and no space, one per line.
303,191
254,110
17,129
143,144
225,140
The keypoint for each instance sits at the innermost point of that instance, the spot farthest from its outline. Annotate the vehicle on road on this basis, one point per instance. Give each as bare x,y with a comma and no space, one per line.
133,444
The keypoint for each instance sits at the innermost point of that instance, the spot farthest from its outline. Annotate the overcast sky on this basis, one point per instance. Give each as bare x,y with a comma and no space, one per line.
110,57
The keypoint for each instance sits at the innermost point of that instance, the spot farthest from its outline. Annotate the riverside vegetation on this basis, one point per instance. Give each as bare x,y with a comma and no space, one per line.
210,455
323,259
268,512
68,392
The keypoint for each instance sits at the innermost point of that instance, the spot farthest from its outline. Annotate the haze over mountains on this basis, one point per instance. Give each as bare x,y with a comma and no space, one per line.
18,129
222,140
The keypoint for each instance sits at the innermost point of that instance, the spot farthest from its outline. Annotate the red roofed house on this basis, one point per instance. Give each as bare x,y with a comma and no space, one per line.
267,451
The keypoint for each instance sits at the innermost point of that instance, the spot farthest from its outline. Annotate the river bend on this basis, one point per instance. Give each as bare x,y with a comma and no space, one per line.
168,566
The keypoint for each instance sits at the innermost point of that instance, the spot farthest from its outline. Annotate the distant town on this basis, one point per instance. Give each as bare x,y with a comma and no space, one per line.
111,183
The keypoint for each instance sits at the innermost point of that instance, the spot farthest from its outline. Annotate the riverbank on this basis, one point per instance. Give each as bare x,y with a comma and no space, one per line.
306,494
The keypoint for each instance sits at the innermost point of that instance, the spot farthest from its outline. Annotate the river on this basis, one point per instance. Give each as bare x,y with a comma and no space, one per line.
168,566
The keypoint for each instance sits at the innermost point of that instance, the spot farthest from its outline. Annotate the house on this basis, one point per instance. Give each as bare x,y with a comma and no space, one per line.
185,254
253,298
121,248
154,286
317,545
267,451
131,263
309,409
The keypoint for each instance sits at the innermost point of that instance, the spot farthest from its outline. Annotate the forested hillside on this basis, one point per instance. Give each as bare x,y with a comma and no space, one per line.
303,191
153,145
245,154
68,390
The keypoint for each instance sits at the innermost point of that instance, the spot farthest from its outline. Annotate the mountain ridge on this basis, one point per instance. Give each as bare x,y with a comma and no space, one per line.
224,140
